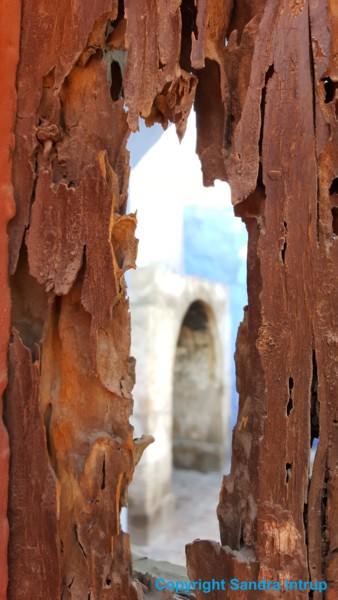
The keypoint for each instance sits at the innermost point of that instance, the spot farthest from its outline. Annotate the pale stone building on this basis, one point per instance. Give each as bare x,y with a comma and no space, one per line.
180,336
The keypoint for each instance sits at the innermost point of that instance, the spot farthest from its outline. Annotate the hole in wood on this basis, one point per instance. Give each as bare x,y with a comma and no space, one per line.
116,81
288,468
334,212
315,407
334,187
330,87
290,401
189,27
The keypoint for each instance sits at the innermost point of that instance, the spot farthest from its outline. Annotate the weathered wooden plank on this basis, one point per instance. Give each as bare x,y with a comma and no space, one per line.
9,47
33,554
266,107
71,243
278,147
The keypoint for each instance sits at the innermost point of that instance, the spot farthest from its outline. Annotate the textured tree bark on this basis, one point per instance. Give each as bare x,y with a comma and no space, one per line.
276,523
9,48
69,400
265,80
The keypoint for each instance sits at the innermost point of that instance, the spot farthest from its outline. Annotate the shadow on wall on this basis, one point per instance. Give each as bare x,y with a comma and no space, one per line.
197,394
180,338
215,248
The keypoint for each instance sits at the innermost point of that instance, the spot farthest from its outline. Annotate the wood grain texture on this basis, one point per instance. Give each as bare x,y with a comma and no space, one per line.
84,78
264,81
276,521
9,47
34,564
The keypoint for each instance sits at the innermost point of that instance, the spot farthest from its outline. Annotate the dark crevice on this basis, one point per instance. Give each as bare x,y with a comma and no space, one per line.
120,15
289,407
103,484
288,468
314,400
305,521
229,126
108,582
47,420
334,212
196,317
189,26
323,521
260,184
317,211
334,187
290,401
29,303
241,537
330,88
116,88
35,168
78,541
71,583
283,251
312,69
268,75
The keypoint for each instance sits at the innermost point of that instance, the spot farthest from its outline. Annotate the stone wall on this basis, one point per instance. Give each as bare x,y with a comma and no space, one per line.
160,301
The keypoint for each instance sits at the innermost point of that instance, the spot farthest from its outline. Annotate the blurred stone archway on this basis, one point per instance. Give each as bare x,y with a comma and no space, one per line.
160,302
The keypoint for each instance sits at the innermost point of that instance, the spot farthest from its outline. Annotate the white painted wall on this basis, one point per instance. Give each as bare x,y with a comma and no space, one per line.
164,181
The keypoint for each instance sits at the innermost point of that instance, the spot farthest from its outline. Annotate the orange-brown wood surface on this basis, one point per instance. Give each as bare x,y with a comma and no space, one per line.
264,79
9,49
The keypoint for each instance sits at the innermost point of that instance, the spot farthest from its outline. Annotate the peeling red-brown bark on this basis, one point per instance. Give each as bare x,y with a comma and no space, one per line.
70,175
32,488
264,78
9,47
275,521
71,376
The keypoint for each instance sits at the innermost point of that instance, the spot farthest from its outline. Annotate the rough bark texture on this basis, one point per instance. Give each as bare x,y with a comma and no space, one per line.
71,376
281,162
266,115
9,48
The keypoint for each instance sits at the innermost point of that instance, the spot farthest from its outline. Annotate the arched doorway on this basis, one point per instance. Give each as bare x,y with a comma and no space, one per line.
197,394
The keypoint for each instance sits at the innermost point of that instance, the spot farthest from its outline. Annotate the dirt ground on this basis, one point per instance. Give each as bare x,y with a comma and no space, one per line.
194,516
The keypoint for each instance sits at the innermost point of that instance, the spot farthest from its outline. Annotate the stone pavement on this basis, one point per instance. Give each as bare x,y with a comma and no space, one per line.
194,516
